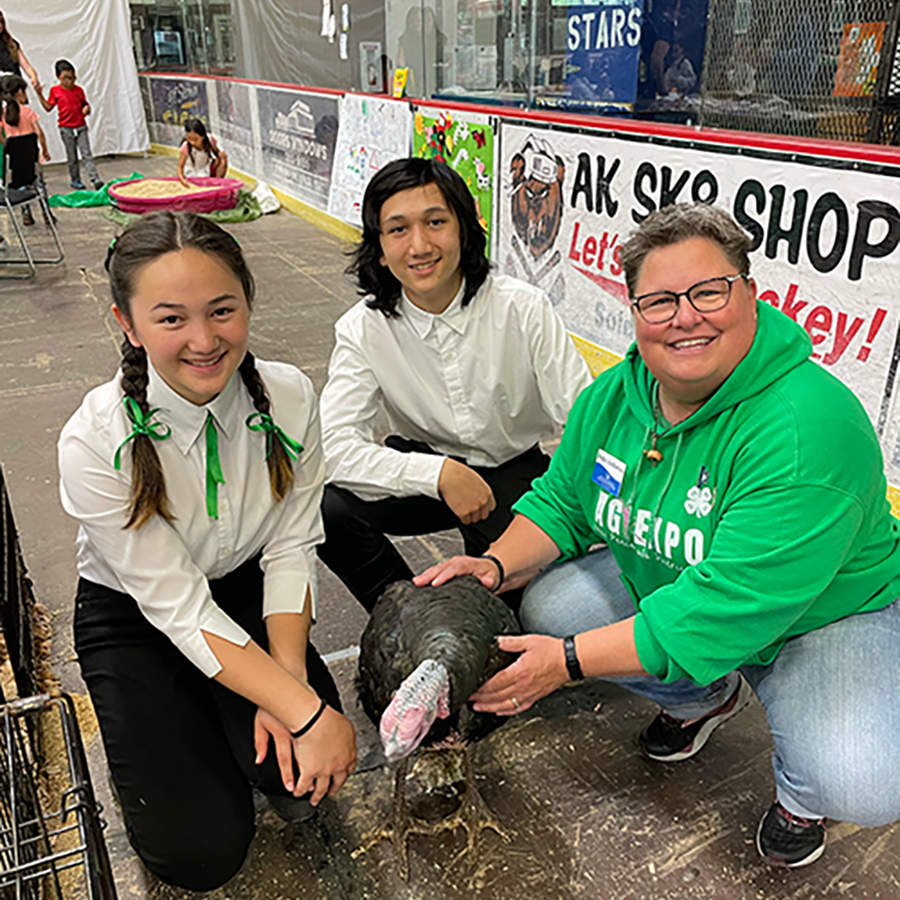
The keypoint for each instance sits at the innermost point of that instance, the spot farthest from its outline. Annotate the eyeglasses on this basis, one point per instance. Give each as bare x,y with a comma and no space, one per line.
706,296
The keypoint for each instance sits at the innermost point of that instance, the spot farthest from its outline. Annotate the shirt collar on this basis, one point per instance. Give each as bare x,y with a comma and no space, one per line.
456,316
187,419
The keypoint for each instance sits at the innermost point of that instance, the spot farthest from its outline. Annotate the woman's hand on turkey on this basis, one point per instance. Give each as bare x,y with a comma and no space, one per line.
465,492
325,755
483,569
539,670
264,726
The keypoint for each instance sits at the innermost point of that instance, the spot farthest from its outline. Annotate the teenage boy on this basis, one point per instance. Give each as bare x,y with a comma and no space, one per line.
471,369
73,107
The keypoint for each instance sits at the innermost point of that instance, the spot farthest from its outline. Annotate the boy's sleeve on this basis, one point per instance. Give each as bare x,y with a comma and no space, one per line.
53,96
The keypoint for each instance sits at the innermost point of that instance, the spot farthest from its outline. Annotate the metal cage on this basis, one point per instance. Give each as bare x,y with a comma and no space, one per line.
51,842
810,68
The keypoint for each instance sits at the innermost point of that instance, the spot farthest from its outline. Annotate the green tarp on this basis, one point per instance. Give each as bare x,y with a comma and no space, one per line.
245,210
90,198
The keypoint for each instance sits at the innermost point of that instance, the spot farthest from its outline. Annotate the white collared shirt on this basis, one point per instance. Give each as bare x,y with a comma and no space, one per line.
166,566
483,382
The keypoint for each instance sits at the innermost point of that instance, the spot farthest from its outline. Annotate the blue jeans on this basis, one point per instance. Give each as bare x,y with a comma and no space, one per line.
832,696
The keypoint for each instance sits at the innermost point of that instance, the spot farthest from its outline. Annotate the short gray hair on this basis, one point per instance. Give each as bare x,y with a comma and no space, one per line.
681,222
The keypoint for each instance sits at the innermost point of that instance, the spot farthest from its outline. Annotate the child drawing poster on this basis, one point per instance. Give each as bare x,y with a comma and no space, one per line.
372,132
465,141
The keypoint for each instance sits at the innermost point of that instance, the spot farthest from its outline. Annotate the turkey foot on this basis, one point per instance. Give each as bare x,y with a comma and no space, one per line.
398,824
473,813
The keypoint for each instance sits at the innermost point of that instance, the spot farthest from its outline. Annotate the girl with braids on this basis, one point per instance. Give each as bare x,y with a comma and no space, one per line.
200,154
199,517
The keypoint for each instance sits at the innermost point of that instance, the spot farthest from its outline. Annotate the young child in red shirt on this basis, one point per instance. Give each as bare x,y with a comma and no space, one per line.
73,107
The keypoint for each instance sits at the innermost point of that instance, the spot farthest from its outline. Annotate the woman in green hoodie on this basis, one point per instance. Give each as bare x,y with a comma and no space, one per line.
739,490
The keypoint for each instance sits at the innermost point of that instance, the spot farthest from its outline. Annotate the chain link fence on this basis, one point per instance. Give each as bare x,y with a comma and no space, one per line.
810,68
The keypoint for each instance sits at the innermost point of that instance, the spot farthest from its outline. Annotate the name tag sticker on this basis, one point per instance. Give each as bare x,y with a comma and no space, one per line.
609,472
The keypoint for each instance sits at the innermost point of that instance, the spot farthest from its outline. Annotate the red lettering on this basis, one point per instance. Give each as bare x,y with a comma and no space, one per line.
604,246
791,308
770,297
573,253
819,319
589,251
616,267
842,338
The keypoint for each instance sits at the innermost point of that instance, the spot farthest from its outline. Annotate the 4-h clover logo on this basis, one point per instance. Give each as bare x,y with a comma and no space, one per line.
699,501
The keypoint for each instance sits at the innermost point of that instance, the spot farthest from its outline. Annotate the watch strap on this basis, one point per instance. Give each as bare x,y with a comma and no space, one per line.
572,663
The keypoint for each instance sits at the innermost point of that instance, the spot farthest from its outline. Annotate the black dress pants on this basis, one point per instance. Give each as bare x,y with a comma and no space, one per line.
357,550
179,744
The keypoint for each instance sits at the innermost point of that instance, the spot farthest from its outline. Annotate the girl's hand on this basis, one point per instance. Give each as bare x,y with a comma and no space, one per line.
265,725
325,755
539,670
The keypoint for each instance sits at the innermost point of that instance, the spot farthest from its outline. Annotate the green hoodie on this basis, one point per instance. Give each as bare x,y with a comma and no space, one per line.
766,518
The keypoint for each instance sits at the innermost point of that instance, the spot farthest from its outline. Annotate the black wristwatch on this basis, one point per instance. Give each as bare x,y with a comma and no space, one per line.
572,663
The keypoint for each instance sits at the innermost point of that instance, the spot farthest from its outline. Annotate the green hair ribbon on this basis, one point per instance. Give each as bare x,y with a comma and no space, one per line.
273,432
158,431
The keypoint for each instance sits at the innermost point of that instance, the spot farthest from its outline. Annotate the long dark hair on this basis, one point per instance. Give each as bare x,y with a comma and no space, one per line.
10,85
11,43
197,126
372,278
150,237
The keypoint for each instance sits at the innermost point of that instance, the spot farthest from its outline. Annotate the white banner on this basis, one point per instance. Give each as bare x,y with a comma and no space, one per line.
95,36
826,236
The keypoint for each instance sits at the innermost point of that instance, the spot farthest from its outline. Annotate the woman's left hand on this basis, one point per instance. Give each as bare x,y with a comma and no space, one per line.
539,670
265,725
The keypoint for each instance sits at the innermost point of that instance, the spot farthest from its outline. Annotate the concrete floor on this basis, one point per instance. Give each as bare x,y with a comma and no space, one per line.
586,814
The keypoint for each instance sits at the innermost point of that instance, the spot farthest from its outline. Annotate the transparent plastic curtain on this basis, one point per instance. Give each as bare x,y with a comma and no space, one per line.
308,42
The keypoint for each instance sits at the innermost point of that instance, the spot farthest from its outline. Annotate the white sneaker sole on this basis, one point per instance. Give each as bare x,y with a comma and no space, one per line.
777,863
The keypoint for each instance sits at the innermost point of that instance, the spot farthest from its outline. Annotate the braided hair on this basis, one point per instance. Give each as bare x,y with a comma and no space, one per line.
151,237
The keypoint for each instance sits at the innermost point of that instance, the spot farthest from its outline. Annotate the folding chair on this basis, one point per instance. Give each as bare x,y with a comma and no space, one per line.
22,184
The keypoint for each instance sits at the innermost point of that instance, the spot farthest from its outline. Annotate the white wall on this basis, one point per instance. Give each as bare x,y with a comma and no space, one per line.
95,35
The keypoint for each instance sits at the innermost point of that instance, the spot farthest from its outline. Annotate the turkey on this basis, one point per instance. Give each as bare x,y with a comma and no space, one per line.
425,651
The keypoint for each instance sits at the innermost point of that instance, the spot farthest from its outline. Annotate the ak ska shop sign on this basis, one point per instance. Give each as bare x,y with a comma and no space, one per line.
825,242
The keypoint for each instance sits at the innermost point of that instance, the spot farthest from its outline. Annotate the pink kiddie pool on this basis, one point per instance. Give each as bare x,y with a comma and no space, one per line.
141,195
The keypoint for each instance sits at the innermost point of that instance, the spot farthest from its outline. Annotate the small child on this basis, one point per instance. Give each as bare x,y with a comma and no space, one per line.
20,119
73,107
200,154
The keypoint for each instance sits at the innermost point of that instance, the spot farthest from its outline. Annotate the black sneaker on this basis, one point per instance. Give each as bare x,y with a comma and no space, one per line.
292,809
784,839
27,217
665,739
